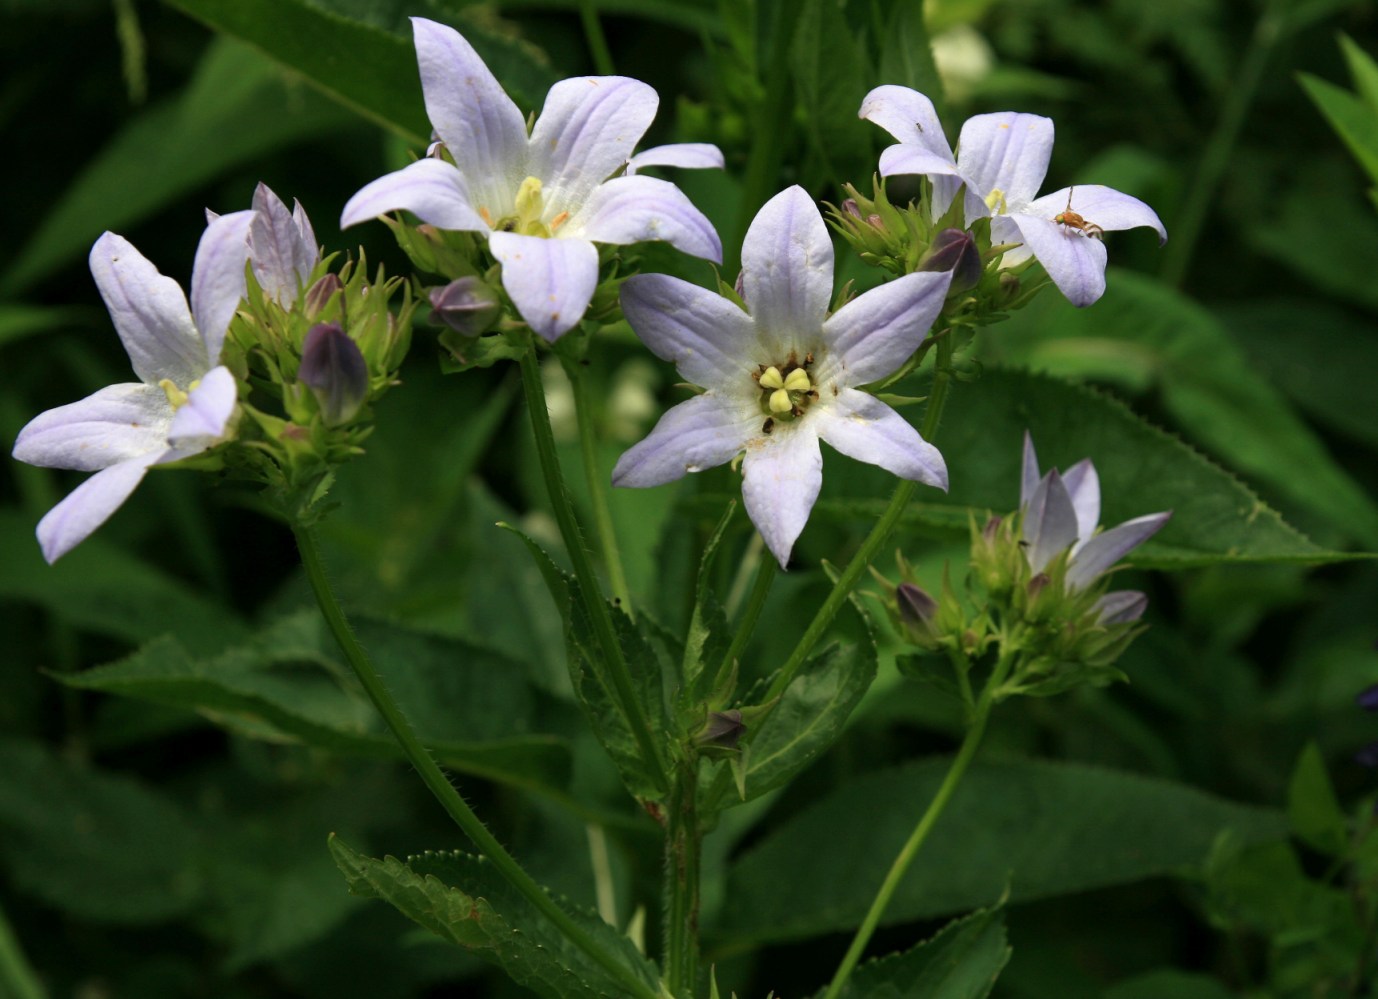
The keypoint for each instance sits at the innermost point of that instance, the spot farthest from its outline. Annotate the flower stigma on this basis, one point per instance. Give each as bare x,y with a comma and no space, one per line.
996,202
527,219
785,394
175,396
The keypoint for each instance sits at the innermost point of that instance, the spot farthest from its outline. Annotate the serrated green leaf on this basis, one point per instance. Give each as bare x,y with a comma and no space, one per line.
463,900
829,75
962,961
237,107
1354,121
1312,806
1037,828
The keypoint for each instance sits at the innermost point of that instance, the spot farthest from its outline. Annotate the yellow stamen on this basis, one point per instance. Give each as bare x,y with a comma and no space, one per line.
770,378
798,381
995,201
779,400
529,202
175,396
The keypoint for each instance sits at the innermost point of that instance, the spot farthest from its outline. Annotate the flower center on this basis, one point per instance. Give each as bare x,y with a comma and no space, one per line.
528,219
175,396
786,390
995,201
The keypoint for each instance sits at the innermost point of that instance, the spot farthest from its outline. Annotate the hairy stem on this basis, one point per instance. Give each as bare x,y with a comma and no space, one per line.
683,842
435,779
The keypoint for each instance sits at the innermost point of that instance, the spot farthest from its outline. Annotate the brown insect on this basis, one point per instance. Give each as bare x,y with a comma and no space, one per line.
1073,220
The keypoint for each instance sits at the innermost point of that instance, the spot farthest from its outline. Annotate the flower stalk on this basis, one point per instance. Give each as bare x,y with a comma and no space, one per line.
598,493
683,846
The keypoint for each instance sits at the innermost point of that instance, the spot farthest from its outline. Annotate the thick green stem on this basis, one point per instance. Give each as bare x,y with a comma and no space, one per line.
593,33
435,779
683,843
598,493
765,575
589,587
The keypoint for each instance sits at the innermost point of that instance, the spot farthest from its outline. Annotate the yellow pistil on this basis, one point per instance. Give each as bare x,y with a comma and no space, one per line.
786,396
175,396
995,201
780,401
770,378
798,381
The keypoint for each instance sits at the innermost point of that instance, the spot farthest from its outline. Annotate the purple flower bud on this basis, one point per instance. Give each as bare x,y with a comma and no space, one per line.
318,296
333,367
850,207
1368,698
954,250
916,607
466,305
723,730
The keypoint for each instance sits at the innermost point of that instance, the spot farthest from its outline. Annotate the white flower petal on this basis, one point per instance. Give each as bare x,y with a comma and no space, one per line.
1075,262
704,432
90,505
1028,479
116,424
586,132
907,115
781,477
642,209
1050,521
217,280
200,422
282,246
149,312
787,271
482,128
550,281
685,155
1121,606
1005,151
864,428
1100,205
1107,548
876,332
708,338
432,190
1083,485
1002,232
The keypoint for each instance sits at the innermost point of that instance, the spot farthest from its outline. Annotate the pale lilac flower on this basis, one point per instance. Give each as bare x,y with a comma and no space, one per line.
1002,159
184,399
685,155
1062,511
783,374
542,199
282,245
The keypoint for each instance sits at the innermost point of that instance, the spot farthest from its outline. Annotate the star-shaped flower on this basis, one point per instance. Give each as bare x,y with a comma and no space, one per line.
783,374
184,399
1002,159
1062,511
545,198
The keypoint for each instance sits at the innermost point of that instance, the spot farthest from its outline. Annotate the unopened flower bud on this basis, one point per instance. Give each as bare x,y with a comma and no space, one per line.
849,206
318,296
333,367
916,607
722,730
954,250
467,306
875,222
1125,606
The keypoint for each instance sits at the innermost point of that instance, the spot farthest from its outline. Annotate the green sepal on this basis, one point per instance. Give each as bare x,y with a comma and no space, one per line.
464,353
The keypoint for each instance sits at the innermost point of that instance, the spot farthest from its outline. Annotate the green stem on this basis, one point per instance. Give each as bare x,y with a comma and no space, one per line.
17,978
1216,158
598,495
916,840
589,587
765,575
435,779
683,843
593,33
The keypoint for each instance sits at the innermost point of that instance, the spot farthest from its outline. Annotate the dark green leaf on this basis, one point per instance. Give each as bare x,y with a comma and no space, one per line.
906,55
1355,121
830,80
1312,807
1169,982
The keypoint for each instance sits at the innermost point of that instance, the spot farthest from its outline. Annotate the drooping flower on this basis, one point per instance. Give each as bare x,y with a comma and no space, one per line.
184,399
783,374
1063,511
543,199
1002,159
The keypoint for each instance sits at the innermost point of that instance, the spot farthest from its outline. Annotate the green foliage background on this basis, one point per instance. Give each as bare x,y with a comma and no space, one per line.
178,736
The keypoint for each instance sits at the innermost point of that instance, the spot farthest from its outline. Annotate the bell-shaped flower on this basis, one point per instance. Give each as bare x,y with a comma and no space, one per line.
783,374
542,199
184,399
1002,159
1063,511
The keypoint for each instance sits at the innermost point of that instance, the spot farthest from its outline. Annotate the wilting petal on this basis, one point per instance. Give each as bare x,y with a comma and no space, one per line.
1107,548
1028,479
1083,485
864,428
907,115
550,281
90,505
116,424
200,422
1075,262
1005,151
1121,606
781,477
587,130
787,270
432,190
685,155
703,432
1102,206
642,209
874,333
281,245
217,280
1050,521
482,128
708,338
149,311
